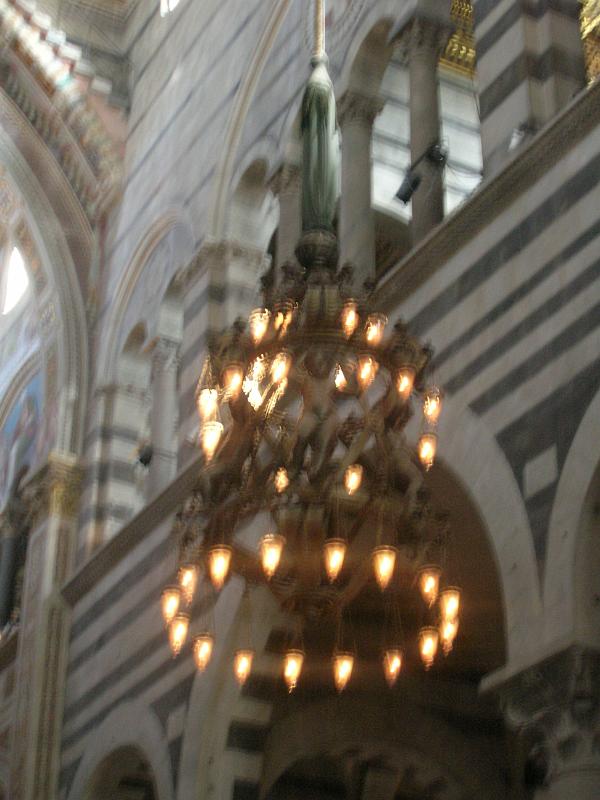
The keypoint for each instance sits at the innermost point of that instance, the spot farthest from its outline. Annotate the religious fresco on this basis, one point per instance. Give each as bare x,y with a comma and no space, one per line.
23,443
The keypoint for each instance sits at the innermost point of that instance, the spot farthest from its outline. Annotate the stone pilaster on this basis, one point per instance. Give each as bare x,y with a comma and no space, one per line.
530,63
556,707
356,114
287,186
52,500
220,283
421,44
164,415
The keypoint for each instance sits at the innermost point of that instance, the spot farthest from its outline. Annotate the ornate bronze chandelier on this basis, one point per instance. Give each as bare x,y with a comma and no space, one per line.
303,413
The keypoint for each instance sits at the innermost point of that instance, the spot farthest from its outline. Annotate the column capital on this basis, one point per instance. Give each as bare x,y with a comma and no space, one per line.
55,489
287,179
215,255
557,702
165,354
355,107
422,35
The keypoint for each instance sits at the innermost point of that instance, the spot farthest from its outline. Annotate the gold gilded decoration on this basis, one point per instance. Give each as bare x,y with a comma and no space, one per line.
590,33
55,489
460,54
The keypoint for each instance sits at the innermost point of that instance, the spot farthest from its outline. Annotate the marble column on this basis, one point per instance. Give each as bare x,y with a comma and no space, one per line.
557,705
164,415
287,185
421,45
356,114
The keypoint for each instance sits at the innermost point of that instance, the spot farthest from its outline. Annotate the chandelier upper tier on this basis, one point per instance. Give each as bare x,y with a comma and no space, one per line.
303,413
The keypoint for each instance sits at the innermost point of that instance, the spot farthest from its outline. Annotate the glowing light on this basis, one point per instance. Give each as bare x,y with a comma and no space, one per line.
280,366
281,480
432,405
340,379
392,664
349,318
429,583
367,370
428,645
210,436
343,664
334,553
188,580
208,403
203,647
427,449
178,630
259,323
374,328
450,602
448,632
169,601
292,667
283,317
271,548
17,281
233,378
384,561
405,382
353,478
251,385
219,560
242,665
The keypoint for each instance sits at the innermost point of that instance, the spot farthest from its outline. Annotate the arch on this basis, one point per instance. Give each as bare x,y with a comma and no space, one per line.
65,304
379,729
215,698
371,59
358,54
253,211
235,128
473,455
131,724
573,488
170,221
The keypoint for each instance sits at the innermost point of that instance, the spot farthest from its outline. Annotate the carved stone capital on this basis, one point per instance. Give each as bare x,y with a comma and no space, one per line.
216,256
355,107
557,703
54,489
287,180
165,355
422,35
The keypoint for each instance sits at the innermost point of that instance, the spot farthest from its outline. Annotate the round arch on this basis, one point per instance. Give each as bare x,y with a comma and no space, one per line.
579,469
471,452
169,222
131,724
379,730
66,308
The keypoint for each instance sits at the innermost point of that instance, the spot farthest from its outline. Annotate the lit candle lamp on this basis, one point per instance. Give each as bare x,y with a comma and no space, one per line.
188,580
170,600
405,382
428,645
343,664
271,548
349,318
429,583
427,449
178,630
384,561
203,647
219,560
259,323
374,328
334,553
292,667
392,664
353,478
242,665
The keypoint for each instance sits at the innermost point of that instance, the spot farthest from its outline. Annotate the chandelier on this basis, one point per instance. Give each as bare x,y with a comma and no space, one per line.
303,411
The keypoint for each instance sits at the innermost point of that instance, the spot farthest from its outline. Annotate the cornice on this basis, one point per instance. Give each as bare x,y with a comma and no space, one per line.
495,194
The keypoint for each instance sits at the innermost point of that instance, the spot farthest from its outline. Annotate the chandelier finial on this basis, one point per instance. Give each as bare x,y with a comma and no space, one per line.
320,159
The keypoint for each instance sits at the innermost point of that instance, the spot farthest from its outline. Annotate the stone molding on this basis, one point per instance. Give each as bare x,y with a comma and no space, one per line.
422,35
215,255
355,107
54,489
557,702
103,560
